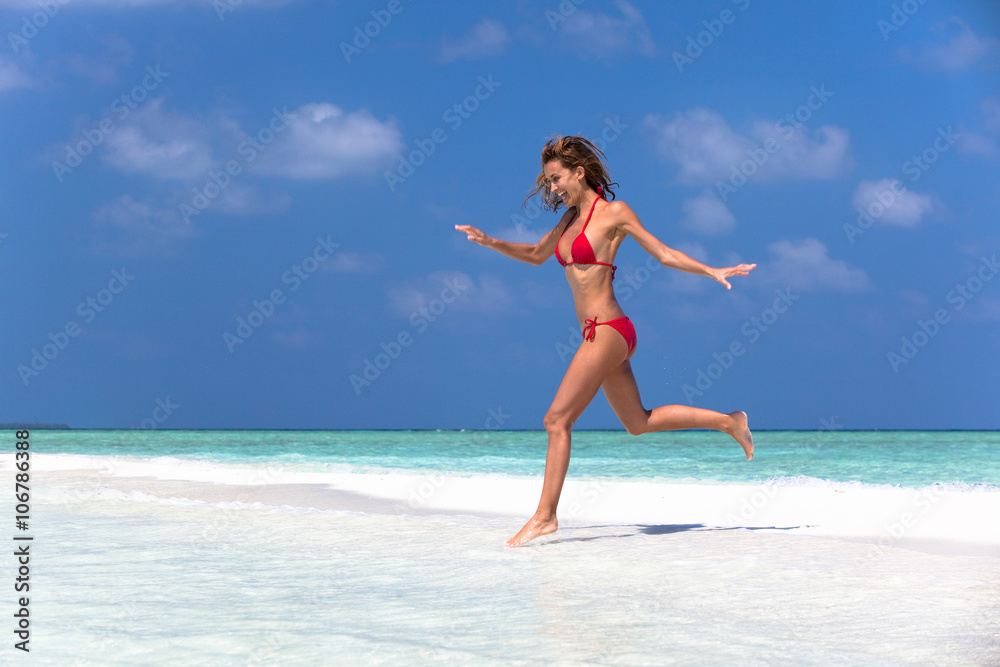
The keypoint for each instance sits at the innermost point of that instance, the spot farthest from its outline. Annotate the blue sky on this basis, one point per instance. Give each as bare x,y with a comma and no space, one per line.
241,214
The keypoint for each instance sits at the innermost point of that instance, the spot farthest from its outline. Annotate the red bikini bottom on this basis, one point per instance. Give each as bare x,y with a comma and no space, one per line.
622,325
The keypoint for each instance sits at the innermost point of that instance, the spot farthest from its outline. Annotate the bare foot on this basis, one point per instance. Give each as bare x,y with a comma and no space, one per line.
741,432
536,527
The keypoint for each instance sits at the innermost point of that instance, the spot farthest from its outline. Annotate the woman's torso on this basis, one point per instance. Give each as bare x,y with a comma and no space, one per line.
591,284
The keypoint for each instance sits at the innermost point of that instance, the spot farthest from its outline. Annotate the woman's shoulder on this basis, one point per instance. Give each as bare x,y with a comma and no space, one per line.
621,217
619,210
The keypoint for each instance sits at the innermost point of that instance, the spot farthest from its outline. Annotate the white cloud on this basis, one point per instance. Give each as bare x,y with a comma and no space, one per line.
916,302
889,202
805,265
984,309
102,67
160,144
983,143
433,293
975,143
356,263
519,234
590,33
991,109
239,199
529,224
487,39
707,214
323,141
11,76
316,141
708,150
132,228
126,213
961,52
298,338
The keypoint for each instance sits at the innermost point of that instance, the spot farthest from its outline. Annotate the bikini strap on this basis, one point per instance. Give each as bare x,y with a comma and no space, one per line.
587,221
600,195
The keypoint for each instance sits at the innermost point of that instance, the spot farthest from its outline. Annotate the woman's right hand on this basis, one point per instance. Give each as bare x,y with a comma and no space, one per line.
475,234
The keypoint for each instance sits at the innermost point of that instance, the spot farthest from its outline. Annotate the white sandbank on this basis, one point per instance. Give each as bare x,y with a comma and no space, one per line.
930,519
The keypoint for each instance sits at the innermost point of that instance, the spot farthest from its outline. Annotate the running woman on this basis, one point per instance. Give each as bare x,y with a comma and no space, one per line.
574,175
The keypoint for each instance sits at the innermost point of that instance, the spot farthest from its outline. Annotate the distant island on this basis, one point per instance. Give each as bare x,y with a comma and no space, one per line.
15,425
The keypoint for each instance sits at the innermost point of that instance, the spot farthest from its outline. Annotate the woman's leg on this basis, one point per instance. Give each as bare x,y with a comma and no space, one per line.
587,370
623,394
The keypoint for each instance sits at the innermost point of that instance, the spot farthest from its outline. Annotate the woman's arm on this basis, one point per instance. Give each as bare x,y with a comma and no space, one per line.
667,256
535,253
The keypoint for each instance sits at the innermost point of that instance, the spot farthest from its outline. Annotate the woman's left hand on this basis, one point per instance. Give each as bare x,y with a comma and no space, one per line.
721,274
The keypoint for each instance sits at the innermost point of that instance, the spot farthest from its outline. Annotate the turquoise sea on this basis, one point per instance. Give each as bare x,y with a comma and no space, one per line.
897,458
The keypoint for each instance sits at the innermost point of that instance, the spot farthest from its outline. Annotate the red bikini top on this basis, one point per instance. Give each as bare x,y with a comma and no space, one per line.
581,251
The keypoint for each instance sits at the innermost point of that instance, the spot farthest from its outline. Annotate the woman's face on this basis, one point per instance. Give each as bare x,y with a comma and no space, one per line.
563,183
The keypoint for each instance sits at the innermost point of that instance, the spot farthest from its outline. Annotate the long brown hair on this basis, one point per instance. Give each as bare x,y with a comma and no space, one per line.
572,152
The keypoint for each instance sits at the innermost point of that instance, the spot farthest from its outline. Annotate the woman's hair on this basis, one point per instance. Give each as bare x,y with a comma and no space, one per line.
572,152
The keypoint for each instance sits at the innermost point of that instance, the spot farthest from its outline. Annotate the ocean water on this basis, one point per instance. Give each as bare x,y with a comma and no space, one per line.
124,576
898,458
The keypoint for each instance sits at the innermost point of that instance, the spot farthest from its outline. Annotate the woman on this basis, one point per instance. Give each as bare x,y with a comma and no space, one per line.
573,175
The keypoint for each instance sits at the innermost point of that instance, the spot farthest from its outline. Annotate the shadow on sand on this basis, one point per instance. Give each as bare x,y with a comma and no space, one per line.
645,529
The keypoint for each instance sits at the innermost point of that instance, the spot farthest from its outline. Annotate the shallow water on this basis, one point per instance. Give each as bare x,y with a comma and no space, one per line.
126,577
133,579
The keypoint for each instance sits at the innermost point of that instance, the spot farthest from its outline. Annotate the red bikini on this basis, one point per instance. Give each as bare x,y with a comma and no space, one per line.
583,253
580,251
622,325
